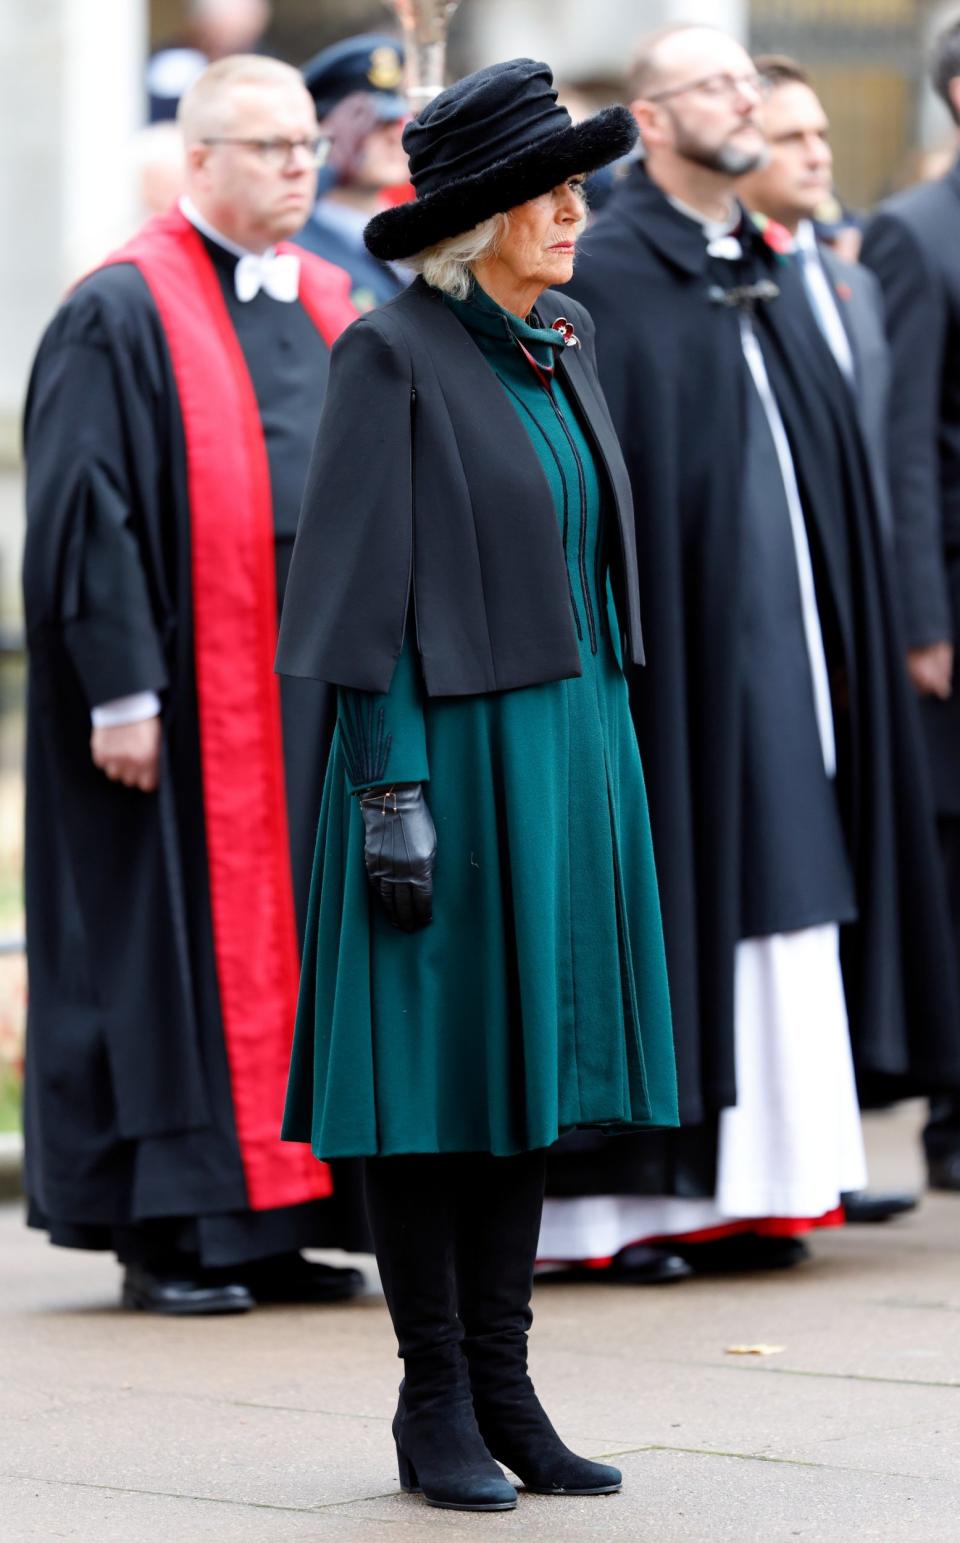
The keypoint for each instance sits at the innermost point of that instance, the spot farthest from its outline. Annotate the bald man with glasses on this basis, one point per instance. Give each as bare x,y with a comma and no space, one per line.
173,782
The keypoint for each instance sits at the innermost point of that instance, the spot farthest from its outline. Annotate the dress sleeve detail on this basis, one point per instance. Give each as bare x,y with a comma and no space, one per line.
383,734
366,741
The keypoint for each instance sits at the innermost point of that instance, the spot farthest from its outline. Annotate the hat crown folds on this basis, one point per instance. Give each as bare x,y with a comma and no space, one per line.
475,124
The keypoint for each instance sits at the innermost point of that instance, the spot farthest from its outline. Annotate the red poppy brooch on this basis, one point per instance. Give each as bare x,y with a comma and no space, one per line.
775,235
565,329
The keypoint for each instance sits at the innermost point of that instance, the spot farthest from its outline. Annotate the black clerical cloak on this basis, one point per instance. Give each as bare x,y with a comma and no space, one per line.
167,437
673,371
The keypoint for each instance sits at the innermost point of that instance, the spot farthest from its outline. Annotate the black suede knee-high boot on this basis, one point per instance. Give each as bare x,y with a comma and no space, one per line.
500,1203
411,1203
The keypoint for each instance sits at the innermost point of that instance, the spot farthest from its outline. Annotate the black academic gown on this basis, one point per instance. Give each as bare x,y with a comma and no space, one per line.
129,1116
672,368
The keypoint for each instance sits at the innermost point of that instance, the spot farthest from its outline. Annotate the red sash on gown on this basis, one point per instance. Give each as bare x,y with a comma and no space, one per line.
235,639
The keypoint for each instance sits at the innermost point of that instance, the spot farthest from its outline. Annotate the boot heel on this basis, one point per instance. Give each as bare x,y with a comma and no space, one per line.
409,1482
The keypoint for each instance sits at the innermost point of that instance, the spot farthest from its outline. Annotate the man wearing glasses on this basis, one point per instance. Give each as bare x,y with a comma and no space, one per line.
795,853
173,782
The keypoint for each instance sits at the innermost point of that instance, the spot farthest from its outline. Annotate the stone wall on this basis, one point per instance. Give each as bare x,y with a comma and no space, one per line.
71,87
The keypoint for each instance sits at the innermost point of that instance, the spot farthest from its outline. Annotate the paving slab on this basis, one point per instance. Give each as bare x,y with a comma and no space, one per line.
686,1497
43,1509
275,1426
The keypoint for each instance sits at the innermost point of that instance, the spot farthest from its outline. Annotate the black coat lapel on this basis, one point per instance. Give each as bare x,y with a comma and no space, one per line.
677,238
817,410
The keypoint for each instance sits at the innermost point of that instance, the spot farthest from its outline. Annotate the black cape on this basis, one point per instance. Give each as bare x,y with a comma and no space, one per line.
436,533
129,1114
672,368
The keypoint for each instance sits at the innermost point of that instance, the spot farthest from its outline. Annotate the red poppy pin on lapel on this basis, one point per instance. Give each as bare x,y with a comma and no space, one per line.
775,235
565,329
844,292
778,238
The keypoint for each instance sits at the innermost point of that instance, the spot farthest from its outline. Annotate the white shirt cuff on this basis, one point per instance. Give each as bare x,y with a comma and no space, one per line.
126,709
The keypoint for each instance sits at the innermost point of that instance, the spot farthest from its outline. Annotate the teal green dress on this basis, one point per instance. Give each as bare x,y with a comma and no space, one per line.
536,1002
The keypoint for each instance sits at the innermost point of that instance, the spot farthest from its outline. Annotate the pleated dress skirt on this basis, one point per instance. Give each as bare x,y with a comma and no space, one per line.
536,1002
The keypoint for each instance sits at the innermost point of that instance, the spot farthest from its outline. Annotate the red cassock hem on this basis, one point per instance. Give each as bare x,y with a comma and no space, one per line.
235,639
765,1226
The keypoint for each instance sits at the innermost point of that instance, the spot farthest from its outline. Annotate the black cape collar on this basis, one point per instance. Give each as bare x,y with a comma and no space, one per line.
492,404
457,340
678,237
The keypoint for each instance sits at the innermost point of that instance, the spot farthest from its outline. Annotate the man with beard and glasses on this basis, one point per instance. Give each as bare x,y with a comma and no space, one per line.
802,904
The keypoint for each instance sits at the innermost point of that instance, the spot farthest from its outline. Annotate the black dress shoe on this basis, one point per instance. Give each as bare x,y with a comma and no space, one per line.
742,1251
291,1278
637,1265
866,1207
643,1265
180,1296
944,1172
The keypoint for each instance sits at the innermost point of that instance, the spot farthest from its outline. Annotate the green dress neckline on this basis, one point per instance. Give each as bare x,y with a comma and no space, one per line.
482,314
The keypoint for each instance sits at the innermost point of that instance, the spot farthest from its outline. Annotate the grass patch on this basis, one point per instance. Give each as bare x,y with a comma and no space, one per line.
11,1093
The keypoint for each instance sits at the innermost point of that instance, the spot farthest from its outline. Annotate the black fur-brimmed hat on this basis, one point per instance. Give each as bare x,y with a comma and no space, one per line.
494,140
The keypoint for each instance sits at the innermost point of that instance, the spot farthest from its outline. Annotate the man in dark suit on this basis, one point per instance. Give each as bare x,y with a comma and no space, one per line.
911,245
356,85
845,299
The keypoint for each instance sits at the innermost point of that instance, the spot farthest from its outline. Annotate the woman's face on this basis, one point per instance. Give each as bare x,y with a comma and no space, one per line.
541,237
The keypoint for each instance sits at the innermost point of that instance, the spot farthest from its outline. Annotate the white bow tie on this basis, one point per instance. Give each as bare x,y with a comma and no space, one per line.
727,248
276,273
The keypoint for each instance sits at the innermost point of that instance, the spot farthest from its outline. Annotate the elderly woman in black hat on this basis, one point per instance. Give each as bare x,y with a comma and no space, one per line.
484,963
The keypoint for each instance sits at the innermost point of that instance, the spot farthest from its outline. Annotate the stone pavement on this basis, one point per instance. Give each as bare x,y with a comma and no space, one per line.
275,1428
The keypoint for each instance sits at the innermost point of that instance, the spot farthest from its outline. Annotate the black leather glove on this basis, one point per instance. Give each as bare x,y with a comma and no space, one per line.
399,849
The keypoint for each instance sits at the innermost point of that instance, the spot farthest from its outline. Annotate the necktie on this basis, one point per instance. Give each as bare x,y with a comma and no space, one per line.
276,273
801,261
825,311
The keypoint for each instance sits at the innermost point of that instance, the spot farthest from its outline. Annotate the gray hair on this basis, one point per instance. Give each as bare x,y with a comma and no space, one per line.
447,266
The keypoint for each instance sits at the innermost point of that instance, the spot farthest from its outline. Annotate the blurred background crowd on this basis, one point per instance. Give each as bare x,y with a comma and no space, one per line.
90,147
